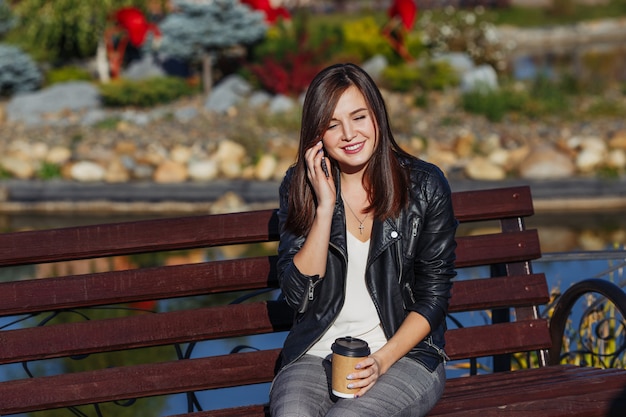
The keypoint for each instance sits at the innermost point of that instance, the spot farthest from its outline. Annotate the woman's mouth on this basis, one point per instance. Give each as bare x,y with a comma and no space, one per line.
353,148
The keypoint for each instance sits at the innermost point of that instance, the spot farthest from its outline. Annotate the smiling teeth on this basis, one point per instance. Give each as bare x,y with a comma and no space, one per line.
353,147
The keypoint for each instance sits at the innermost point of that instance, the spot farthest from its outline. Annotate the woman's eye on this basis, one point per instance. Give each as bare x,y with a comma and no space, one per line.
332,126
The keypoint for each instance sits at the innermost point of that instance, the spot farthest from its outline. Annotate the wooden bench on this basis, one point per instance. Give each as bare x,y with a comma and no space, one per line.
206,299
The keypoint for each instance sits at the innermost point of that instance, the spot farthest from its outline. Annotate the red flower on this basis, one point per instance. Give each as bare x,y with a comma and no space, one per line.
134,22
271,14
406,10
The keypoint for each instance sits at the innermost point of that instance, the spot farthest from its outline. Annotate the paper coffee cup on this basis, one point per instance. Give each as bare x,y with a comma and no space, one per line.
347,352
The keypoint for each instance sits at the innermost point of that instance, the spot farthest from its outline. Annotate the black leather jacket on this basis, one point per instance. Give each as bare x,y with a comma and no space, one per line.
410,267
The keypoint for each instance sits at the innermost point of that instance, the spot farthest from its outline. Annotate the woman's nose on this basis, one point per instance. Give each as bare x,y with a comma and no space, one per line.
348,132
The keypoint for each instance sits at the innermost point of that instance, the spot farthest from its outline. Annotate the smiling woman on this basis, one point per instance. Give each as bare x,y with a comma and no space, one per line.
360,256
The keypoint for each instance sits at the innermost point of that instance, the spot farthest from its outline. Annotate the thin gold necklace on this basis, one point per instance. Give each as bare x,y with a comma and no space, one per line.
361,227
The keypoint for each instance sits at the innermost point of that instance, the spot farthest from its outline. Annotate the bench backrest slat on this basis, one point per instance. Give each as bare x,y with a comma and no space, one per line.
141,330
143,236
18,297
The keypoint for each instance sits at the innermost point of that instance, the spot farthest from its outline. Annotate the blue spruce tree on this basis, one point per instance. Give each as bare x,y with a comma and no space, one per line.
198,33
18,72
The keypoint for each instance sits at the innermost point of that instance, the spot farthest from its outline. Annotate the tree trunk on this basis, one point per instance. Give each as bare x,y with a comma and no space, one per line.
207,73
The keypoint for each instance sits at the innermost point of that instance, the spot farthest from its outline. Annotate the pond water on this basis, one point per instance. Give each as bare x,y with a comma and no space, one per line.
576,246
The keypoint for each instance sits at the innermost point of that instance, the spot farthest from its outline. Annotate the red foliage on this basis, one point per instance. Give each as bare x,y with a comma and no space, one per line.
289,76
291,73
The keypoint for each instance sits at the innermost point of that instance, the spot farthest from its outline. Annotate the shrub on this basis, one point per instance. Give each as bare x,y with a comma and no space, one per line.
7,20
48,171
427,75
18,72
289,59
64,29
401,78
491,104
64,74
363,39
144,93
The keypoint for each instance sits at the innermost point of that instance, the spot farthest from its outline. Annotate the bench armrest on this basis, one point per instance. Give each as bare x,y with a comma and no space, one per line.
565,304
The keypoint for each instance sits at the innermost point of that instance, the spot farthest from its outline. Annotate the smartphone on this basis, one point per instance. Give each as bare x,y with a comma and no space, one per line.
325,166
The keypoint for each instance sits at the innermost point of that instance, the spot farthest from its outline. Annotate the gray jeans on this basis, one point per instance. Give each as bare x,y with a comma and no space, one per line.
302,389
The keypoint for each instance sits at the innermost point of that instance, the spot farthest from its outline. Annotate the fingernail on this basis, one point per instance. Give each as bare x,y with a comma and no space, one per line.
349,376
350,386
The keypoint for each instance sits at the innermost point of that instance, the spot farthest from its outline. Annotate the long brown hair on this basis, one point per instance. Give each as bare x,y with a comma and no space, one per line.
384,179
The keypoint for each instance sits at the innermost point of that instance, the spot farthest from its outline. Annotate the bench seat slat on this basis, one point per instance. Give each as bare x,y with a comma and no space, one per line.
497,248
543,390
138,381
19,297
493,339
503,394
143,330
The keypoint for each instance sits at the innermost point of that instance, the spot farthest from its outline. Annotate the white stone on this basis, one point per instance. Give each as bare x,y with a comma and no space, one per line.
590,158
265,168
545,162
87,171
480,168
203,170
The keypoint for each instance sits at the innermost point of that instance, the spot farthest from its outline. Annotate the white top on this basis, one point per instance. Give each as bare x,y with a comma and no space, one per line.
358,316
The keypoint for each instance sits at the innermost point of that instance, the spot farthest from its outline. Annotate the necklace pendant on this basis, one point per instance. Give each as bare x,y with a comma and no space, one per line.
361,227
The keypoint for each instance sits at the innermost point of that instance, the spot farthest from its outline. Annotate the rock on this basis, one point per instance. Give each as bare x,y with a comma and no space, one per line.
460,62
30,108
259,99
116,172
281,104
186,114
593,152
58,155
170,172
87,171
125,147
93,117
228,203
265,168
203,170
546,162
618,140
464,143
18,167
228,93
482,79
375,66
143,68
142,172
181,154
617,159
480,168
229,151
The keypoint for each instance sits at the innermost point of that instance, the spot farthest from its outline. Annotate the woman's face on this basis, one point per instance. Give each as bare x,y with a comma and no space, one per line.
350,138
